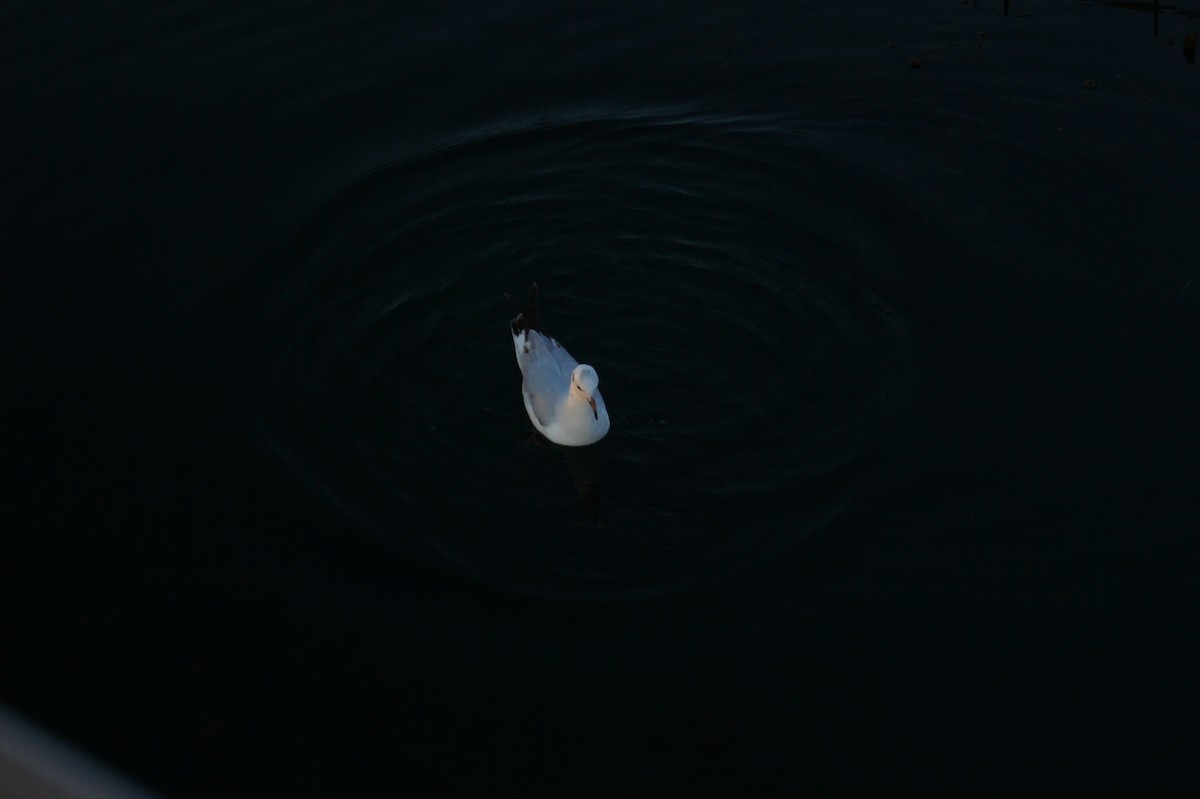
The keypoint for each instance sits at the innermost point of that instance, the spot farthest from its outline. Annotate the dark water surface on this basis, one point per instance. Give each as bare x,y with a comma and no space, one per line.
895,310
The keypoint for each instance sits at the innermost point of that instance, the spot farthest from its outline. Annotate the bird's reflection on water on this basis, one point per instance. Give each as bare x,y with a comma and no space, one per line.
584,464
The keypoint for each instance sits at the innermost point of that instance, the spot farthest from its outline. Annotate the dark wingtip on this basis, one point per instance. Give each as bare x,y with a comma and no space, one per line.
526,318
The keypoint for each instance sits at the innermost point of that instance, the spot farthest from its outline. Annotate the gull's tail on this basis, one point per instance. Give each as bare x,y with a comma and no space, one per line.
526,318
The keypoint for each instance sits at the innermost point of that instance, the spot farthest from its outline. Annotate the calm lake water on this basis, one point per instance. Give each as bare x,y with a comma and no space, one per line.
896,309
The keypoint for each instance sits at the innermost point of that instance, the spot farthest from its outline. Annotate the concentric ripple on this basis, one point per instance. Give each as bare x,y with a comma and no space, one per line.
736,310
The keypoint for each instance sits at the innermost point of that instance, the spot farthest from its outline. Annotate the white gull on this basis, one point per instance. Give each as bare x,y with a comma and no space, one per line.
562,396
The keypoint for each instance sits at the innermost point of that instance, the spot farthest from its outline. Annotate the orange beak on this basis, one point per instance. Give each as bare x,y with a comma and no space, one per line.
592,402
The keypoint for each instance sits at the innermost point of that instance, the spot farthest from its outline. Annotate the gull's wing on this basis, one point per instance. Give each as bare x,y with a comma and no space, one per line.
546,368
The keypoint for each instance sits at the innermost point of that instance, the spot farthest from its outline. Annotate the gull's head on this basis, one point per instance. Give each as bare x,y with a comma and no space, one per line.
584,382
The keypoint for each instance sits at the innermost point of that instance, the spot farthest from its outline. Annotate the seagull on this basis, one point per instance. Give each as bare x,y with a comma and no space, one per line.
562,396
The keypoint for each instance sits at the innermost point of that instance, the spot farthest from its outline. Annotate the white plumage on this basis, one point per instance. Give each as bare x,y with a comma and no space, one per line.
562,396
